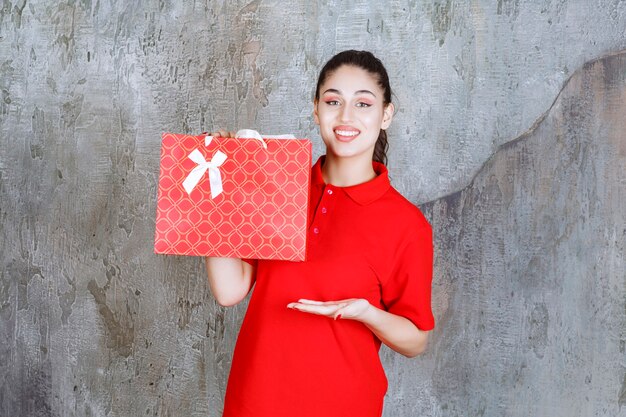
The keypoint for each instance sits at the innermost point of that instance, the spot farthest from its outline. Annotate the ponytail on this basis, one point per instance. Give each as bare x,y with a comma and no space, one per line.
380,150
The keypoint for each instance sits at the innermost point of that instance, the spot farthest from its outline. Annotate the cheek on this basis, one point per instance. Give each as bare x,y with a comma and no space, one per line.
324,119
373,119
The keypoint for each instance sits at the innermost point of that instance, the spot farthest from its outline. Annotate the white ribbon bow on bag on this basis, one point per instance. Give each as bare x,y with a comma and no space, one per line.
215,177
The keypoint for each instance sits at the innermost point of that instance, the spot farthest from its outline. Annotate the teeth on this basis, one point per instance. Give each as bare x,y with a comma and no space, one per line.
346,133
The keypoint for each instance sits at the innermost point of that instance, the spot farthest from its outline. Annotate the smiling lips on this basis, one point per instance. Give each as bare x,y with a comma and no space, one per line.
346,133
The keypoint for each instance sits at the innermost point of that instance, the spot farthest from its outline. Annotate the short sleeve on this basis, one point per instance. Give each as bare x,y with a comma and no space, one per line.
255,265
407,291
253,262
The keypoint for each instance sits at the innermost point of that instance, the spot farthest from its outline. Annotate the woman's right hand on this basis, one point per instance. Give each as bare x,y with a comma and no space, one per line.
223,133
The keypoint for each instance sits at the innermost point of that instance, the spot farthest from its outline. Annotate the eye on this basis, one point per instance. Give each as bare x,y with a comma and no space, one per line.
332,102
363,104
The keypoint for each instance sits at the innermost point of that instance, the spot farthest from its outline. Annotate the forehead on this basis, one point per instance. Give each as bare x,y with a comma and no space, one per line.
348,79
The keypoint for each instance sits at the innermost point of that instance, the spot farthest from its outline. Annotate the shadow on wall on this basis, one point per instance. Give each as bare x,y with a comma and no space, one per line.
529,269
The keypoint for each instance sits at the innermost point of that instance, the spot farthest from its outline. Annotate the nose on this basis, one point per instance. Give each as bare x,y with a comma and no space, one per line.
346,113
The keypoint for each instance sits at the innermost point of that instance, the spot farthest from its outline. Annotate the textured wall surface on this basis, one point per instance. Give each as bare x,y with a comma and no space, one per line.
532,269
509,133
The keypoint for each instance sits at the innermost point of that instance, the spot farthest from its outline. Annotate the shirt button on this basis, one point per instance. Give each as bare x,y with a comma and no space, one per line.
324,210
330,191
316,230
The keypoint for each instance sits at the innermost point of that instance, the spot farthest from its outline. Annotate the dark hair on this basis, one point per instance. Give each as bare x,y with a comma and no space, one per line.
368,62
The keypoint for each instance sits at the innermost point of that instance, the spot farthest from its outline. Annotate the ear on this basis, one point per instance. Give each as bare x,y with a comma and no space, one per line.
315,115
387,116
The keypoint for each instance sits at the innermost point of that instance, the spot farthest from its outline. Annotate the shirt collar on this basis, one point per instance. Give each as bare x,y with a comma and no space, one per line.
364,193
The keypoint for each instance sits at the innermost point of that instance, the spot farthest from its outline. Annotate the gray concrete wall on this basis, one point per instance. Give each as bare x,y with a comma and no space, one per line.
510,134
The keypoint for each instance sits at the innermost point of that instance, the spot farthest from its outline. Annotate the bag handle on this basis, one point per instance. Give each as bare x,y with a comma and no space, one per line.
249,133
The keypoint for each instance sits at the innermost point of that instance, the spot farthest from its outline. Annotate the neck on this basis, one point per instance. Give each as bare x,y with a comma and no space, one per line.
345,172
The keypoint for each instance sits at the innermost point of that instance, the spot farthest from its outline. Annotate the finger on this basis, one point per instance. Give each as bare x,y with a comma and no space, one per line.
314,309
328,303
222,133
305,301
318,309
338,314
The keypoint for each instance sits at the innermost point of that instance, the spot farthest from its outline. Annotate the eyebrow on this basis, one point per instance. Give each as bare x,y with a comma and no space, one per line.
332,90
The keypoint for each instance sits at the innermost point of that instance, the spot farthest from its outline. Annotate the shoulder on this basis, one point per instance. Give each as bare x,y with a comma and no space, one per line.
403,212
395,224
397,232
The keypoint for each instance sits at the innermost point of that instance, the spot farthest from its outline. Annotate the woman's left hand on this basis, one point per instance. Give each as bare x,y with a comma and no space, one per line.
351,308
397,332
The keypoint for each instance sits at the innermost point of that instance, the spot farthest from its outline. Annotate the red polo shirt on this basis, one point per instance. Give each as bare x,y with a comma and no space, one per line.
365,241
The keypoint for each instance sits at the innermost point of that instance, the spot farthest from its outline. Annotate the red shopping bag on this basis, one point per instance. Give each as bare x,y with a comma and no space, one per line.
233,197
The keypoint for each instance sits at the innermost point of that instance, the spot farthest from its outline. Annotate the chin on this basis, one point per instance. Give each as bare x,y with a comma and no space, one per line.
348,154
348,150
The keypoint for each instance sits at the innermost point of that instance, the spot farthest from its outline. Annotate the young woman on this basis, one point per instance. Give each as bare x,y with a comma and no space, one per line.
309,343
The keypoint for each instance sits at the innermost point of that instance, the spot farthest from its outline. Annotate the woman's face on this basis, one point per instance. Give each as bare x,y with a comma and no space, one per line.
350,112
